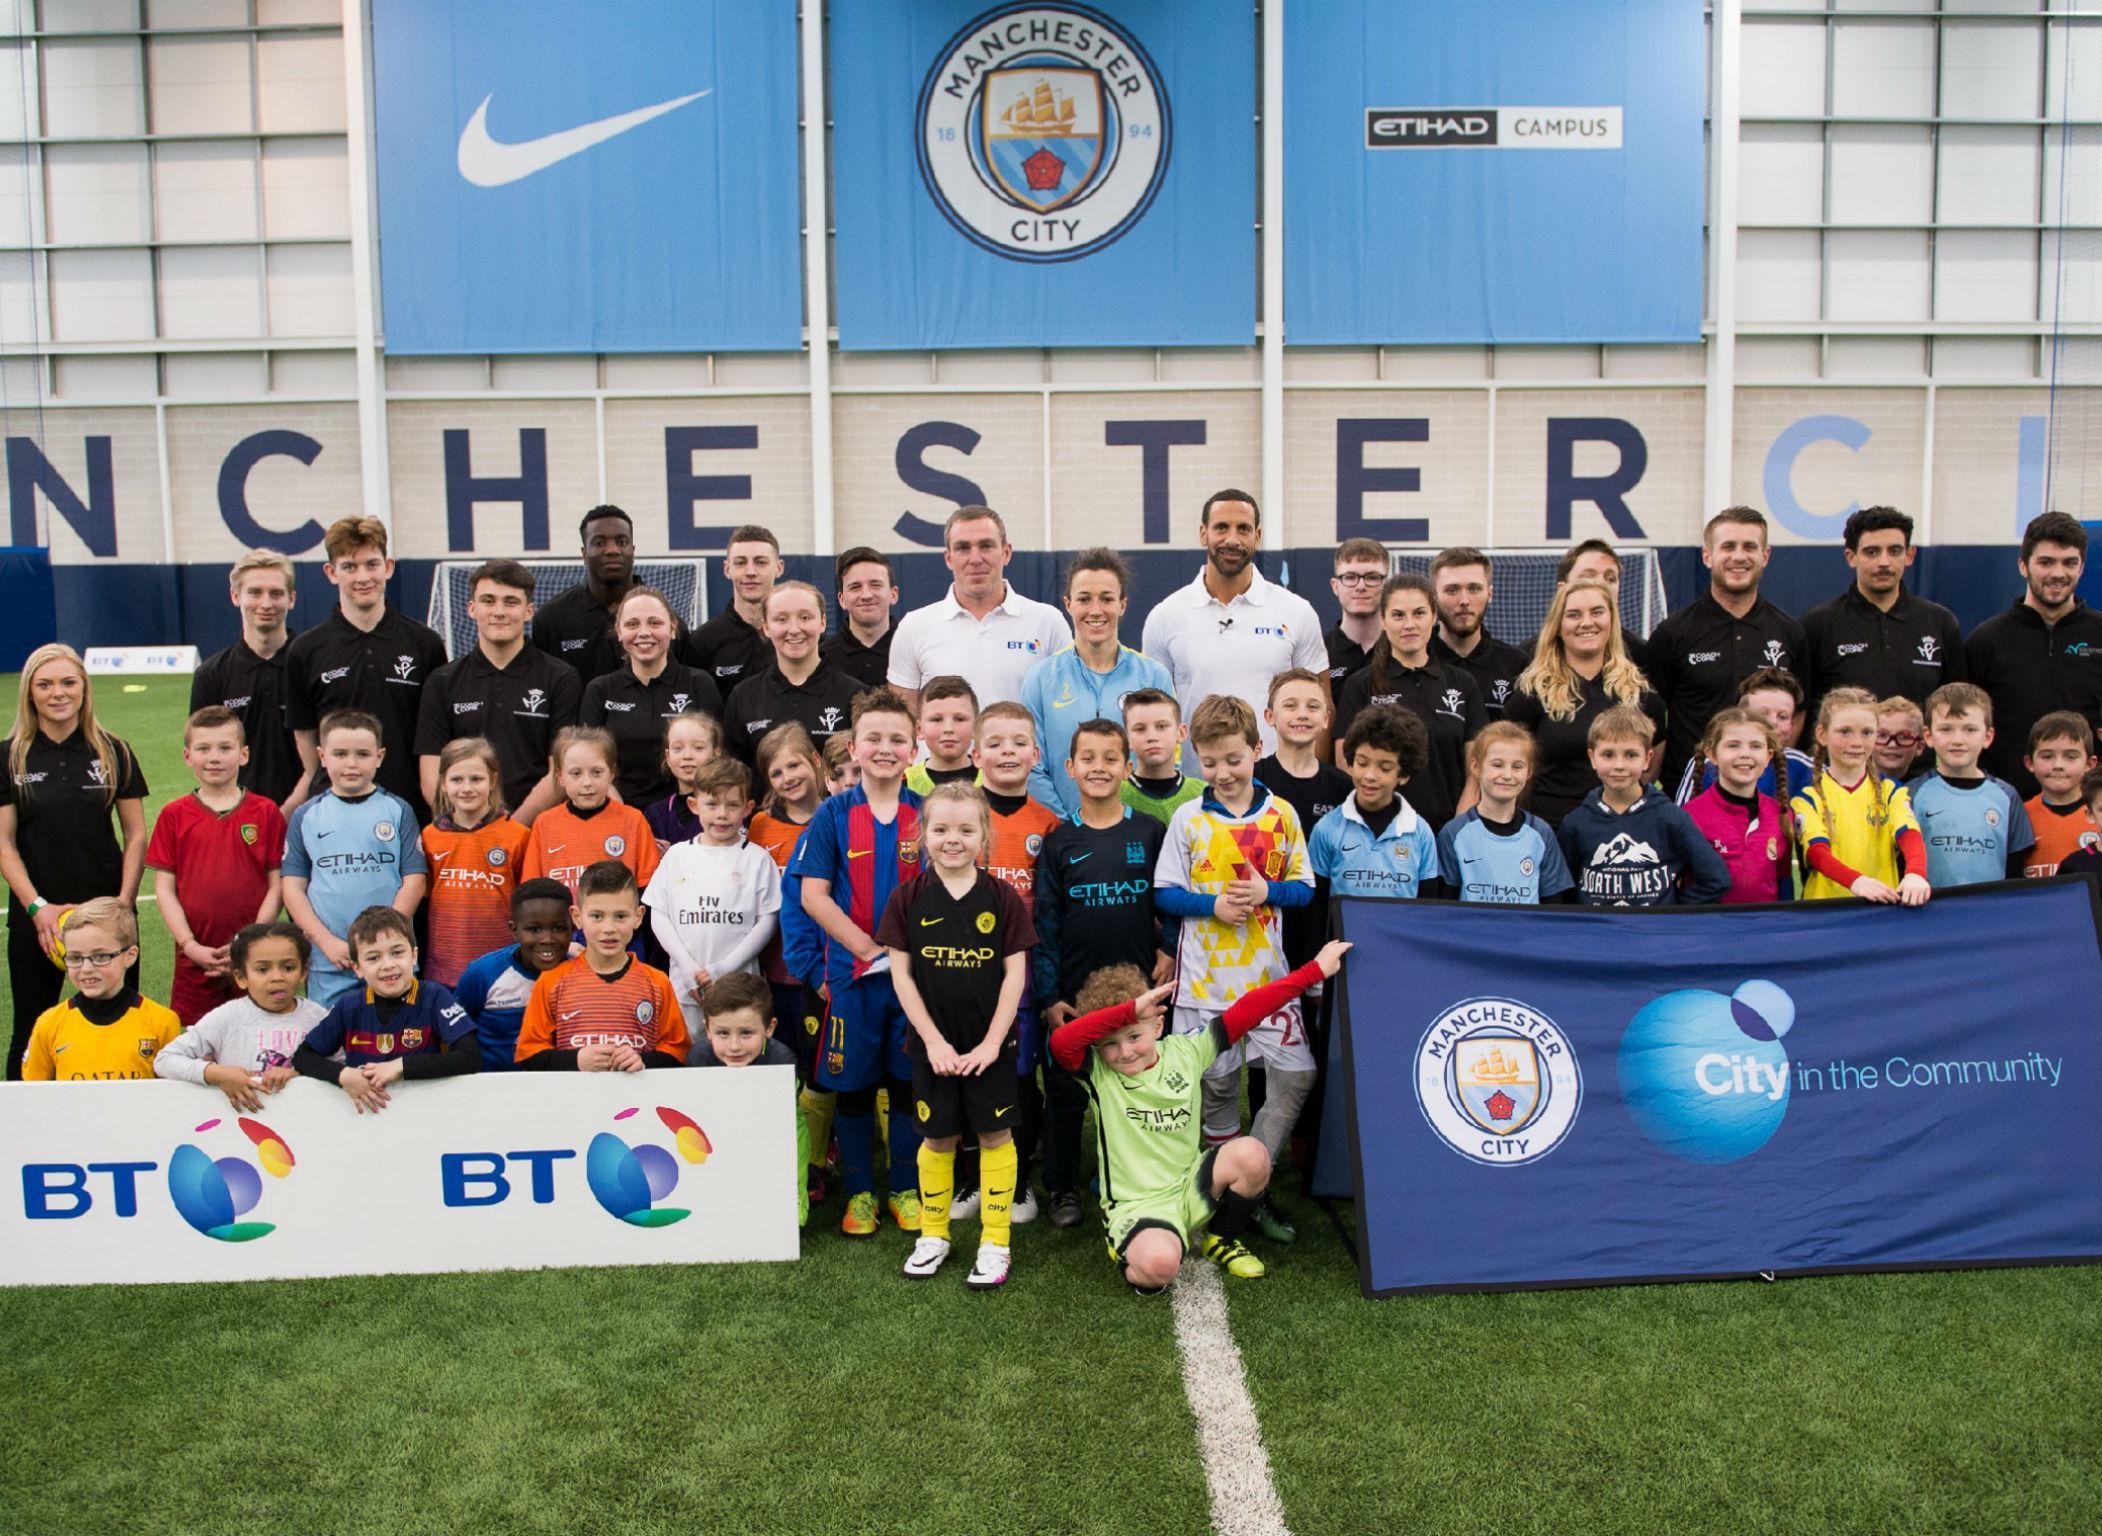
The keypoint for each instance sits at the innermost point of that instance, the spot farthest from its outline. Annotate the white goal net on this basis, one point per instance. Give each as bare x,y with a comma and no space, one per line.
683,583
1525,586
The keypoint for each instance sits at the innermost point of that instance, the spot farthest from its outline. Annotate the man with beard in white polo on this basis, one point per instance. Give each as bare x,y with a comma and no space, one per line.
1230,631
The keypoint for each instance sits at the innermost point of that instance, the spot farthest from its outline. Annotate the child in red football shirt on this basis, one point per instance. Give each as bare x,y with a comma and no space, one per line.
216,857
475,851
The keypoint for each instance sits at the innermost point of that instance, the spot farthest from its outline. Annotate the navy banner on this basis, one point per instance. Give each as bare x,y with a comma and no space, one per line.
564,178
1528,171
1043,175
1560,1096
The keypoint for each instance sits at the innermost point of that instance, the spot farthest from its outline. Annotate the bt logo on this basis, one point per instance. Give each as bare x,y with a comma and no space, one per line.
626,1180
211,1195
1705,1076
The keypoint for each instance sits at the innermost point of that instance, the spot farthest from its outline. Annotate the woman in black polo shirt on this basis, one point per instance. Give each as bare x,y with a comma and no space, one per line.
62,777
635,701
1580,669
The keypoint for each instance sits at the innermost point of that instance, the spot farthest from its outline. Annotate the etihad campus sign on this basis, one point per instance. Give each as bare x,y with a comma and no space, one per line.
1043,132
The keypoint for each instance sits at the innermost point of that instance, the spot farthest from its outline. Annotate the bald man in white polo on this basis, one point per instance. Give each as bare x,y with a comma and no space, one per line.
982,630
1230,631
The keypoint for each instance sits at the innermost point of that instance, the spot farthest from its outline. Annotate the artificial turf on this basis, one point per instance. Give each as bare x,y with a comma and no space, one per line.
831,1395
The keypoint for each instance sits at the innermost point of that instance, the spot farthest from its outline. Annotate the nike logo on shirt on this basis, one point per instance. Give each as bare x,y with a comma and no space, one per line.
859,853
1078,857
572,1013
488,163
929,922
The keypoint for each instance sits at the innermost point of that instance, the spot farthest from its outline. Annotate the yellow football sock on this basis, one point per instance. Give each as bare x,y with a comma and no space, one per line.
937,1187
996,1191
816,1107
883,1122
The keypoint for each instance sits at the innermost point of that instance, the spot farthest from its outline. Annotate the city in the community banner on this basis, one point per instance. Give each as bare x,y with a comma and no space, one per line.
602,178
1044,175
1564,1096
1528,171
148,1181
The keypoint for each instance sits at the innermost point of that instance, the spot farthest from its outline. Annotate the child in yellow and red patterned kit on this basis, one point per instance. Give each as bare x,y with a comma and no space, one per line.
1005,753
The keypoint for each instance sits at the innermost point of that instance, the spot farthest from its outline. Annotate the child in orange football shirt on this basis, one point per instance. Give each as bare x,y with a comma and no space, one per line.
589,825
474,849
603,1011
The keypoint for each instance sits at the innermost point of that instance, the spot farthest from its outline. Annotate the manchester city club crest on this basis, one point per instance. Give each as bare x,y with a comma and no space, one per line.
1498,1081
1044,131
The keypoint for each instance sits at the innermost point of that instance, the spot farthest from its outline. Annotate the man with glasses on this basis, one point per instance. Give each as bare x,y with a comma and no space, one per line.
1361,566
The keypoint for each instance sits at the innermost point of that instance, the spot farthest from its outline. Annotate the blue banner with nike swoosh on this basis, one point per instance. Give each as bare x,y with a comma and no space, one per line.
608,178
1044,174
1544,1096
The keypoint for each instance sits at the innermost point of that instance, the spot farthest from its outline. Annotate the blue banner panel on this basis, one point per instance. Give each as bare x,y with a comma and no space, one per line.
608,178
1561,1096
1044,175
1523,172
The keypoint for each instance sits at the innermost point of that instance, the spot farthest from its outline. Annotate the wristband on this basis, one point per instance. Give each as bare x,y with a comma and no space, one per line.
36,905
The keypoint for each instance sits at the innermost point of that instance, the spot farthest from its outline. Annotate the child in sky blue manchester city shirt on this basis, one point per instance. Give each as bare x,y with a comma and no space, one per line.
1495,851
1974,825
1374,843
355,847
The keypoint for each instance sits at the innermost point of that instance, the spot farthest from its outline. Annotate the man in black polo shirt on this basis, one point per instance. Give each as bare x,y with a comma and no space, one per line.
1696,658
860,647
365,655
2042,654
1464,586
799,685
248,677
1361,566
505,691
732,646
1876,635
577,625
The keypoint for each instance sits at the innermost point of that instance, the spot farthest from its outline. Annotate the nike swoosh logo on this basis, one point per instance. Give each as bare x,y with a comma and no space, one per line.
556,847
859,853
929,922
487,163
60,1050
440,858
999,1112
571,1014
1080,857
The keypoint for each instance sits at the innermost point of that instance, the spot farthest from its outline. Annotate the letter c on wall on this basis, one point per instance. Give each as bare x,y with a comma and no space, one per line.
233,490
1778,481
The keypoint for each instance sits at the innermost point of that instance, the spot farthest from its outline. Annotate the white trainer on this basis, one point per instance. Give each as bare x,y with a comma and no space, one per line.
991,1268
964,1207
1024,1206
928,1255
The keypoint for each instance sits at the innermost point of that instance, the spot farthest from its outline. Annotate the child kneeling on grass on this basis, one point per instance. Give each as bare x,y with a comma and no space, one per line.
1159,1184
738,1031
392,1027
244,1048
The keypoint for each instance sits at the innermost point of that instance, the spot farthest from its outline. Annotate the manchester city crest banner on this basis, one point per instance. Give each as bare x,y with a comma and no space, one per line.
1566,1096
565,178
1043,175
1528,171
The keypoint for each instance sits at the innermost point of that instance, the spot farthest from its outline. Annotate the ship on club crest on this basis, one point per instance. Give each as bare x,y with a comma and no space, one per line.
1496,1081
1043,133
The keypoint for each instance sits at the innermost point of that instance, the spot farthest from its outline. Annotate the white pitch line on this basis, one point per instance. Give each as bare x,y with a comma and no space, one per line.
1236,1467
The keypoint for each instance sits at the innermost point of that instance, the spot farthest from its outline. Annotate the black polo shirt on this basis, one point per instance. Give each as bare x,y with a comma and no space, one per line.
253,687
1444,699
577,628
1493,665
1345,656
64,821
517,709
636,712
1696,658
728,650
2030,668
1562,774
335,665
1851,643
822,703
868,665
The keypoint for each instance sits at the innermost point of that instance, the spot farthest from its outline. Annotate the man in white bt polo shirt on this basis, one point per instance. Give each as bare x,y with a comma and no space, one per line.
982,630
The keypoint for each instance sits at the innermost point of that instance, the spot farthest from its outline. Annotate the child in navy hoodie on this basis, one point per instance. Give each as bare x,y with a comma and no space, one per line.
1628,845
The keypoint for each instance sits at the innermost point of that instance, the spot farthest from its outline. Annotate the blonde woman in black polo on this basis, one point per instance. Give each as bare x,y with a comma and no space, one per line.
62,778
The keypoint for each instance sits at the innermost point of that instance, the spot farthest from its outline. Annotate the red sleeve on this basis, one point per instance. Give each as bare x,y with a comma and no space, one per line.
1912,852
1818,854
160,848
1070,1041
1251,1008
